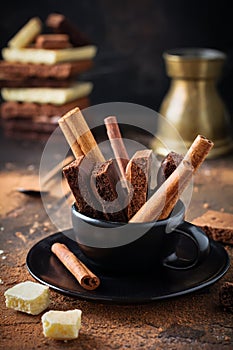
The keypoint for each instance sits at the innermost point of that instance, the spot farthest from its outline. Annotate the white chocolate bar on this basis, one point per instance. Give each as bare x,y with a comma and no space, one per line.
56,96
26,34
31,55
29,297
62,325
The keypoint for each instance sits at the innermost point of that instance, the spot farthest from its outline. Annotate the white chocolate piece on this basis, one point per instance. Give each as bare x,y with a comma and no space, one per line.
29,297
26,34
31,55
56,96
61,325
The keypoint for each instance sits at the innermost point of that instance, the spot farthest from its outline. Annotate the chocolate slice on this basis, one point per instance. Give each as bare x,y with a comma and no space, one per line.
13,109
14,70
78,177
138,175
217,225
52,41
37,124
35,82
168,165
106,185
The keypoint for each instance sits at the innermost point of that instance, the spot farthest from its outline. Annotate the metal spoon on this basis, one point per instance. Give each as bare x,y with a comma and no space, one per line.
32,193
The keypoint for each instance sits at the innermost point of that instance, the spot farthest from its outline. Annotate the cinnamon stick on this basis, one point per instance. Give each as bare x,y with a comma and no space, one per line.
198,151
83,135
117,143
196,155
172,202
176,182
84,276
70,137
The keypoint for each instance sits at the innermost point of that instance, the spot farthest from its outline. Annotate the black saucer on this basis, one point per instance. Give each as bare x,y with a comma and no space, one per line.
165,283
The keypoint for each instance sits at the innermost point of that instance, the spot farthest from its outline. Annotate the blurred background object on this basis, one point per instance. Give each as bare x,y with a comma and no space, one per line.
39,75
131,37
192,103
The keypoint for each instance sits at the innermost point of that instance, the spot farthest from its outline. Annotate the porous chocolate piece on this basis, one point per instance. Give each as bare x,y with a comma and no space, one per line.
36,124
226,295
105,181
52,41
168,165
217,225
11,109
78,177
14,70
62,25
138,175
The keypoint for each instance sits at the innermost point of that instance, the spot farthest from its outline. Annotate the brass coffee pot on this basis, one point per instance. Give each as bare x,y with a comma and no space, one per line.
192,104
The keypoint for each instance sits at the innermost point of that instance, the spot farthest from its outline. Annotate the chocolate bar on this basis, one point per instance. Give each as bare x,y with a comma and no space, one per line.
78,175
217,225
138,175
13,109
57,96
49,57
13,70
52,41
62,25
104,181
36,82
37,124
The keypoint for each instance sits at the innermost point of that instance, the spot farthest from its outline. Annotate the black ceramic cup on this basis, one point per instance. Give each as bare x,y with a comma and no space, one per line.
134,247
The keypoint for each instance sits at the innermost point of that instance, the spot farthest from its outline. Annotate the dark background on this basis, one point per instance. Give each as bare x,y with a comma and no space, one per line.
131,36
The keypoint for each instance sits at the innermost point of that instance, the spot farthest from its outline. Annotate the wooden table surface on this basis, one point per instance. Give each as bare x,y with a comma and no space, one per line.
193,321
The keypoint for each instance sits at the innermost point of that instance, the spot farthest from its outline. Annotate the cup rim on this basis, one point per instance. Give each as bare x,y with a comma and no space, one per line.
194,53
97,222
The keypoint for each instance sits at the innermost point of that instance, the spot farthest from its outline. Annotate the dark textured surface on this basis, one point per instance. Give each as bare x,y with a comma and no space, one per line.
226,296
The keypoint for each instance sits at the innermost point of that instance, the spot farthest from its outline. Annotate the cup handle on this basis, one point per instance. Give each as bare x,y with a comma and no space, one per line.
201,242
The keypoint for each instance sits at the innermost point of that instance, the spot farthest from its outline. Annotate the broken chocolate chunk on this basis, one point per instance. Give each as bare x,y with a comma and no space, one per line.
138,175
217,225
106,184
78,175
168,165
